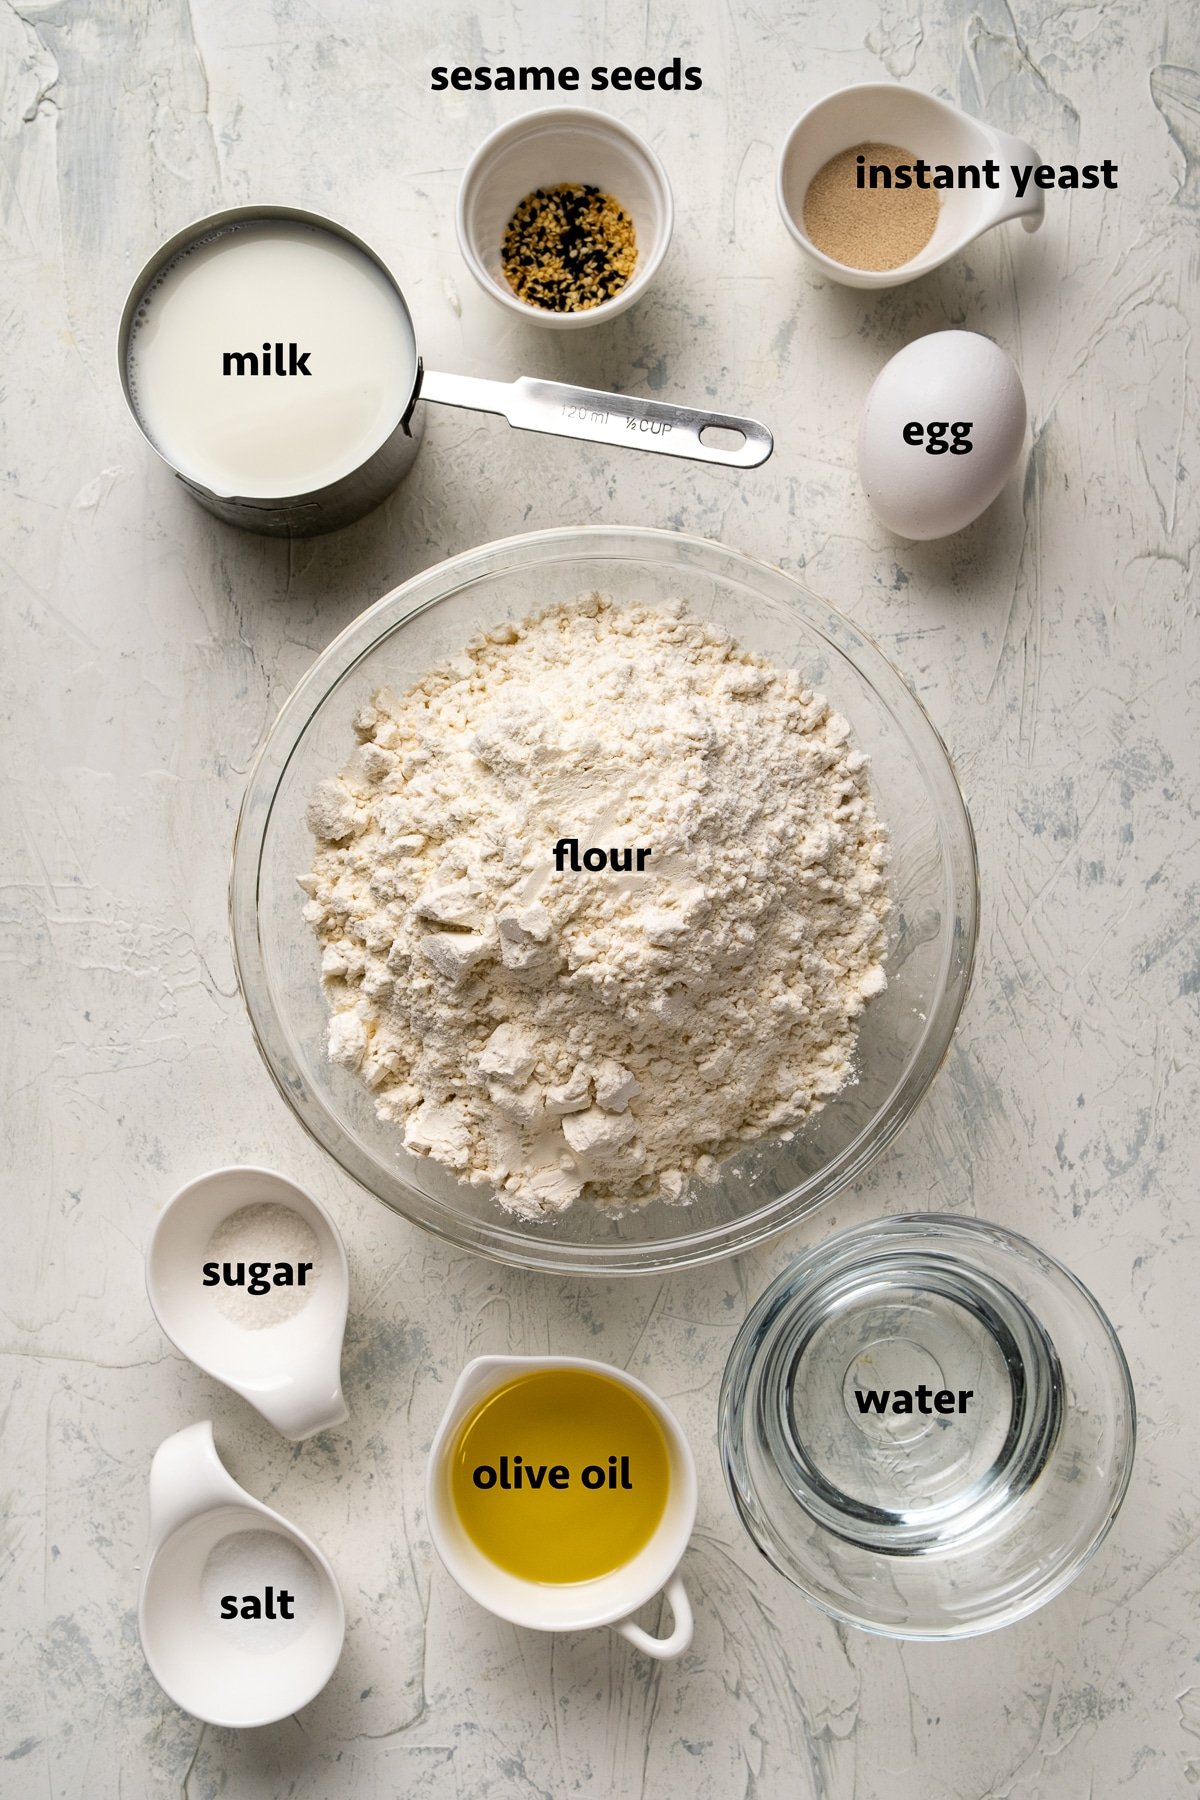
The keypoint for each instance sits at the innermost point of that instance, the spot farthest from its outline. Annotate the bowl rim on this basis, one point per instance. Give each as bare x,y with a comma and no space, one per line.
504,1240
527,124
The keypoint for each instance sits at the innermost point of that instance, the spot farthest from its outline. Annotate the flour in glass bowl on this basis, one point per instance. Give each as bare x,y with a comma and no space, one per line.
606,1027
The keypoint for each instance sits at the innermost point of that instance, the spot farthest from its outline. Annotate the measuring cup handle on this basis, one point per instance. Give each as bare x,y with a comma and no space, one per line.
187,1477
638,424
662,1649
1029,207
598,417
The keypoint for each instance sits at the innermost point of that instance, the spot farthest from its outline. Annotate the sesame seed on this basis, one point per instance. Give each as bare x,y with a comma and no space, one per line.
568,248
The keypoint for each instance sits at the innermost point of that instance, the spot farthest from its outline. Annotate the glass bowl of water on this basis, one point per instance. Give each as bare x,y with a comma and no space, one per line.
927,1424
904,1033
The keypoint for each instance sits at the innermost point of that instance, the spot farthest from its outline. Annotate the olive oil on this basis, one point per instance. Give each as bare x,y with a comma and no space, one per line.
561,1475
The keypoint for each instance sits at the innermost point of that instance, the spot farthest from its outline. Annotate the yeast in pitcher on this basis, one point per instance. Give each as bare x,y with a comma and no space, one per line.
270,358
560,1476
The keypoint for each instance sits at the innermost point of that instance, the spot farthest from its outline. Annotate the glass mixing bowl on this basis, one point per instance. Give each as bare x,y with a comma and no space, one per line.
928,1425
904,1032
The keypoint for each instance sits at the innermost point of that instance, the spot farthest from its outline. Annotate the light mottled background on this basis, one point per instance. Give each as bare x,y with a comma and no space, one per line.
1055,644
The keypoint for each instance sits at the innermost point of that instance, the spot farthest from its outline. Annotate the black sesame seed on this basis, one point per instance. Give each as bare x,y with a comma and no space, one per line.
568,248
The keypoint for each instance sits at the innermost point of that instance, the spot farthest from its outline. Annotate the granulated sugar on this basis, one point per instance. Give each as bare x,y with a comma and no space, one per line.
604,1033
261,1238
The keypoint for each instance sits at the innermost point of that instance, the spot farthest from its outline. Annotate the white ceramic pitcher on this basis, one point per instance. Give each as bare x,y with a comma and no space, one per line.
568,1606
883,112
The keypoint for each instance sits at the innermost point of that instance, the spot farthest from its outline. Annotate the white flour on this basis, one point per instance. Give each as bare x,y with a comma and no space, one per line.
604,1035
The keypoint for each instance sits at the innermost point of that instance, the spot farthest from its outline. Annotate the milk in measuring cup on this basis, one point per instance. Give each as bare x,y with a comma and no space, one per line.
269,359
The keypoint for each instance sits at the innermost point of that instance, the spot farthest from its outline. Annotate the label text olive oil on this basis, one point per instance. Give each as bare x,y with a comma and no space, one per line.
561,1475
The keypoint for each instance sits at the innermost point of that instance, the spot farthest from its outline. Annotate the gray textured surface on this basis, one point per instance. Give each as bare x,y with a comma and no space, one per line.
1055,644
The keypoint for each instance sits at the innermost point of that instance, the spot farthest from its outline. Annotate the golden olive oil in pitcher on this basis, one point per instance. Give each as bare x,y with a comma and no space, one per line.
561,1475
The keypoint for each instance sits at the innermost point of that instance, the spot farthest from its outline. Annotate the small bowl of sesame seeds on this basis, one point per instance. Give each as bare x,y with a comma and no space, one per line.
563,216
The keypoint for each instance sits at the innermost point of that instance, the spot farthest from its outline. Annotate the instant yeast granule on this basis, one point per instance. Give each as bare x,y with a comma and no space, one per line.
868,228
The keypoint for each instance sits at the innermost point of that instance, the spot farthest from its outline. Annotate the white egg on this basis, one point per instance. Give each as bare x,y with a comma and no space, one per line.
947,390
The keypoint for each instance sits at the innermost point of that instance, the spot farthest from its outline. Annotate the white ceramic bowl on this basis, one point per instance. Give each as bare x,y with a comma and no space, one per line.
290,1371
542,149
570,1605
883,112
195,1508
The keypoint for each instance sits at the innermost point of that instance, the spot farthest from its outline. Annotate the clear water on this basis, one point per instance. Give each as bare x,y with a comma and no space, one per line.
910,1328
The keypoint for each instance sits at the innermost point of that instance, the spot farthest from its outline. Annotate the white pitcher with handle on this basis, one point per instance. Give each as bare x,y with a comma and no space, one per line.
568,1606
884,112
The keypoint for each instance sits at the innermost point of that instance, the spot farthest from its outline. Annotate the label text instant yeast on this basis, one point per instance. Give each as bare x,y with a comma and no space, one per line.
922,174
